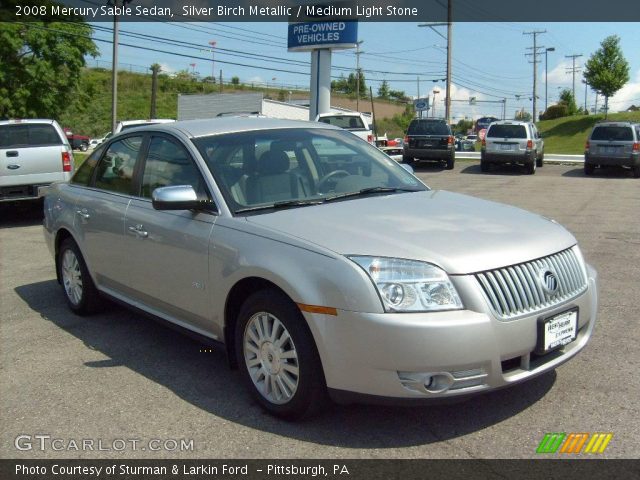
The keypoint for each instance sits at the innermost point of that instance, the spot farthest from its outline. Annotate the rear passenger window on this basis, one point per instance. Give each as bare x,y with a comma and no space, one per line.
28,135
168,163
115,170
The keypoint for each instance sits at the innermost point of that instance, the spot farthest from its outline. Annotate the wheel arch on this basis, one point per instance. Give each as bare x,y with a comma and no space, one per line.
240,291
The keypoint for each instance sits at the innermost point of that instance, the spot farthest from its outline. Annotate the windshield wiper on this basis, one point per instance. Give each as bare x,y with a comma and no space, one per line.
367,191
283,204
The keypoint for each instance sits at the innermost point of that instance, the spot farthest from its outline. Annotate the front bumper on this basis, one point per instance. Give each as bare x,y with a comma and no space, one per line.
384,357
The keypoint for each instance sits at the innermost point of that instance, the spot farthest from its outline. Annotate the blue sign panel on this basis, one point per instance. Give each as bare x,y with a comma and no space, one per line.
315,35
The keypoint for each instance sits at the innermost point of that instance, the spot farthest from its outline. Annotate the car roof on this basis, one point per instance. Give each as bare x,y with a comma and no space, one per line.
510,122
615,124
17,121
220,125
142,122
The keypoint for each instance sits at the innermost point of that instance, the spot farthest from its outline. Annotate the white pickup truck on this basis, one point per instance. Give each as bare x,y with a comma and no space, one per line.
33,154
355,122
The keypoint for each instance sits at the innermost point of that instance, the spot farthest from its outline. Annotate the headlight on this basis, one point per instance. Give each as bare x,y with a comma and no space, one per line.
409,285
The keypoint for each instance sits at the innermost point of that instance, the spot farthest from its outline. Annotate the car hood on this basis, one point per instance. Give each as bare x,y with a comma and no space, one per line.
459,233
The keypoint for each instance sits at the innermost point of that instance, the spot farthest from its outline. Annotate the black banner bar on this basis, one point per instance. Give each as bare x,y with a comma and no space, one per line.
565,469
314,10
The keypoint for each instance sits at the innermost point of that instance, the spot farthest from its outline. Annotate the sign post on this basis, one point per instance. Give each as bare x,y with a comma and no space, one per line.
320,38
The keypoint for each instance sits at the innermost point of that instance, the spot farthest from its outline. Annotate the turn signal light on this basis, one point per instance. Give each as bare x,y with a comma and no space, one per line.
370,138
484,142
406,139
529,144
636,147
450,140
66,162
587,146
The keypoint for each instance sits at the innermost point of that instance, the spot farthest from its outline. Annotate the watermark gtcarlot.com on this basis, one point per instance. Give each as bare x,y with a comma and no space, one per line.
44,442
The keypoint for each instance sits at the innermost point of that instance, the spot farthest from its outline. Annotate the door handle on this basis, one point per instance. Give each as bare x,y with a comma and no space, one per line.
12,153
138,230
83,213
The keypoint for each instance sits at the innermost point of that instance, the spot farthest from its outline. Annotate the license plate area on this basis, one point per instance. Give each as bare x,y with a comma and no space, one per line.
557,331
506,147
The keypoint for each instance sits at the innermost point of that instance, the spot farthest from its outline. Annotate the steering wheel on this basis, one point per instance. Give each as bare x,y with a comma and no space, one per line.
335,175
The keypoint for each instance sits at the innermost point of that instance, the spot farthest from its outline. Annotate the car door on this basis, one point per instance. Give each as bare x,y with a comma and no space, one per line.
167,251
100,211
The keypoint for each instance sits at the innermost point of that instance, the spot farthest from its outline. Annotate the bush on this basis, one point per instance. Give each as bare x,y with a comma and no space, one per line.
555,111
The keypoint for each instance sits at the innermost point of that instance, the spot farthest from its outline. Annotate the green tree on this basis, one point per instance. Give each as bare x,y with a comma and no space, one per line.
40,66
398,95
463,126
383,90
567,98
607,71
235,80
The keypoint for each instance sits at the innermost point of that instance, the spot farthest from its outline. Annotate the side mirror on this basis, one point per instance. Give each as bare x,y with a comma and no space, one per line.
179,197
407,167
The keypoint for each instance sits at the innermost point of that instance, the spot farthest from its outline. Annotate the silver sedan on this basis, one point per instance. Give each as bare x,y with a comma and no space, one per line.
322,265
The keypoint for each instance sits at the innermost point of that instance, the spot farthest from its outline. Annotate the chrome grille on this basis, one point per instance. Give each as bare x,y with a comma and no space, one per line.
516,290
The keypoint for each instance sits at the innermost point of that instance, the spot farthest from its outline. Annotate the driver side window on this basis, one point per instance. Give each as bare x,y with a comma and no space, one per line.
167,164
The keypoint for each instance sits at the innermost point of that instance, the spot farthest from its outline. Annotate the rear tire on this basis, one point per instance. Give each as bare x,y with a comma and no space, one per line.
540,160
636,171
451,162
484,165
531,167
589,168
278,358
84,147
408,160
79,290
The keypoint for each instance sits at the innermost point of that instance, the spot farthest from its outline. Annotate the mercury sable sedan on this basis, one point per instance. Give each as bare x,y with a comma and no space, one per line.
323,266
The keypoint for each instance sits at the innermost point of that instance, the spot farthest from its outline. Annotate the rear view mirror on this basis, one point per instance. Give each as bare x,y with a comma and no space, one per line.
179,197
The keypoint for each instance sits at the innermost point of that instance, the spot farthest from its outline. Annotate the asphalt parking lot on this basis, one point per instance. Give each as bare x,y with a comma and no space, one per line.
118,375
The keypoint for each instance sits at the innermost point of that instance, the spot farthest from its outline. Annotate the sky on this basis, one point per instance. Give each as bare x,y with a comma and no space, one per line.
489,60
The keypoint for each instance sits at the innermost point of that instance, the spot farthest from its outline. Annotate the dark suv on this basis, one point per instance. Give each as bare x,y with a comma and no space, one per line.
613,143
429,139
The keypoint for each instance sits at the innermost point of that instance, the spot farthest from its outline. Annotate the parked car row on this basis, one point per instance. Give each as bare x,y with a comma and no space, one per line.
323,266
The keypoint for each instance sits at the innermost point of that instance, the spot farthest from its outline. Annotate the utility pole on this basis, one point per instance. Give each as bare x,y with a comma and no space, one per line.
418,97
358,53
114,70
535,49
220,80
573,71
546,76
585,95
155,68
447,99
449,25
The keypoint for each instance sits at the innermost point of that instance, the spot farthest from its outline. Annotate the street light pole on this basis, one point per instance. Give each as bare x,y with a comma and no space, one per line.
114,69
546,76
213,70
358,53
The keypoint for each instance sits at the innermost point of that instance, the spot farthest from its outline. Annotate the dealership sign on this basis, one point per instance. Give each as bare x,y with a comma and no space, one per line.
326,34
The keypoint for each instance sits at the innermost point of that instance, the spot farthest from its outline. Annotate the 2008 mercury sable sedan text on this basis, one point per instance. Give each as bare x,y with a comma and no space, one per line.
322,264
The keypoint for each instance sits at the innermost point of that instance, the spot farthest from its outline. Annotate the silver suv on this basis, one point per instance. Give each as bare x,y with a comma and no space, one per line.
33,154
322,264
512,142
613,143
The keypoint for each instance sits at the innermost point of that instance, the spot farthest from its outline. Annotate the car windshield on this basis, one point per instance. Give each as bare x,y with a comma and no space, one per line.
615,133
296,167
507,131
426,127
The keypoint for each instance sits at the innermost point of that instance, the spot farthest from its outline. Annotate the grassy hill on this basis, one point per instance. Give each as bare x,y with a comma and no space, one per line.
569,134
90,112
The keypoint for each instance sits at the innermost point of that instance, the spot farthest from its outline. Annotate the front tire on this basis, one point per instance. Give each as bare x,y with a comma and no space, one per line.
84,147
278,357
79,290
408,160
